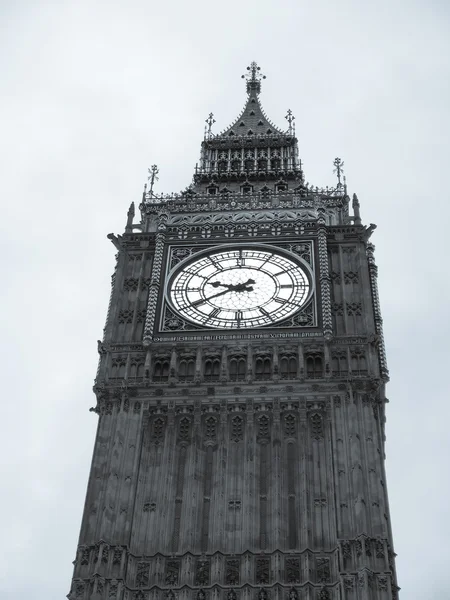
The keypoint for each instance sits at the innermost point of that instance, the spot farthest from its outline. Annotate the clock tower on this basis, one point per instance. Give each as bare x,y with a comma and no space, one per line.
241,389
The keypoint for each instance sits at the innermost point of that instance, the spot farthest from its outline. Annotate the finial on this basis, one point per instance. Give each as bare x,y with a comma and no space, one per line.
290,119
356,212
338,163
130,217
253,78
152,177
209,121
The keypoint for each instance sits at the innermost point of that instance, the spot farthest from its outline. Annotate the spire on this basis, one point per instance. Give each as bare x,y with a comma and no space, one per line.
252,121
253,78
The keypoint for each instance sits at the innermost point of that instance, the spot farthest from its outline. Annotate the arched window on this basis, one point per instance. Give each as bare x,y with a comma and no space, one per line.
136,368
263,368
339,364
238,368
223,165
161,369
186,369
281,187
235,165
133,370
314,366
247,189
288,367
212,369
118,367
249,164
359,365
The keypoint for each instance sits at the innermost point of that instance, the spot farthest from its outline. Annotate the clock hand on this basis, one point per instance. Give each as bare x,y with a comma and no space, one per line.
236,287
202,300
217,284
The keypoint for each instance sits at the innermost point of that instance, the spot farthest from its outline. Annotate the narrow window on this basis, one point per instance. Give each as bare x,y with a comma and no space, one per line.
212,369
314,368
161,370
263,368
237,368
288,367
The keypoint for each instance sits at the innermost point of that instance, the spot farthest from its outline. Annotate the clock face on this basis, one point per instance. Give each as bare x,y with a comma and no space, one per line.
239,287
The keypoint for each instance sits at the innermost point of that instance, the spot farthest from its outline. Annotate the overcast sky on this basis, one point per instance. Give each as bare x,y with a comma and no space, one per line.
92,93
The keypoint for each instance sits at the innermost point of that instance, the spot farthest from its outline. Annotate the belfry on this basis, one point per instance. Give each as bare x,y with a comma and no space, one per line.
241,389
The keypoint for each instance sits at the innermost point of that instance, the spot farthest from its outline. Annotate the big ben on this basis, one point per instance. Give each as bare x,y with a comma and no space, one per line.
240,391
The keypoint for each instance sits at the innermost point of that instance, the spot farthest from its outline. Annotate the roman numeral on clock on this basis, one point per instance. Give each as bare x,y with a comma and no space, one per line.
240,260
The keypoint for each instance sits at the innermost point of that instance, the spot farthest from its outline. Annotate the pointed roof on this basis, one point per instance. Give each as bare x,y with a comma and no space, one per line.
252,120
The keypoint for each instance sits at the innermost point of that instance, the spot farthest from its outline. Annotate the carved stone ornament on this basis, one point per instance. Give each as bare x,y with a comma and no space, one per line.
232,567
316,423
202,572
172,572
142,574
324,594
293,570
323,570
262,570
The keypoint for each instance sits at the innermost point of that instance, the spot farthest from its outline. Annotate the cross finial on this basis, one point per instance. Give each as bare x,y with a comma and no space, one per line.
253,78
290,119
338,164
209,121
152,177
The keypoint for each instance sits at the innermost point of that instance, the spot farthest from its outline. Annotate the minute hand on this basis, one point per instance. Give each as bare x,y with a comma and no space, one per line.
202,300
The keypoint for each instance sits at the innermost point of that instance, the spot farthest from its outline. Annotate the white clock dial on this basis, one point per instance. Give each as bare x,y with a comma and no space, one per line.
239,287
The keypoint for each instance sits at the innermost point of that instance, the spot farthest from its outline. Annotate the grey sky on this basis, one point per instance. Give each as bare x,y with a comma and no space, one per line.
94,92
